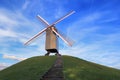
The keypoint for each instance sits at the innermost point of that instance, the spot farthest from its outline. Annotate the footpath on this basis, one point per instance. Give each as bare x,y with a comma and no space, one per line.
55,72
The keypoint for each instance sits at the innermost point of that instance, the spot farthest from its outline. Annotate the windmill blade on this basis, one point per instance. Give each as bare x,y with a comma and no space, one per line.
43,20
63,38
70,13
34,37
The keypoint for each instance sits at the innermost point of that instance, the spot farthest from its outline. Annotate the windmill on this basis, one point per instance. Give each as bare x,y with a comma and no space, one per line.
51,35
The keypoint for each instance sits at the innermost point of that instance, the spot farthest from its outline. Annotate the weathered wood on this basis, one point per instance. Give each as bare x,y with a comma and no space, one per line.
51,41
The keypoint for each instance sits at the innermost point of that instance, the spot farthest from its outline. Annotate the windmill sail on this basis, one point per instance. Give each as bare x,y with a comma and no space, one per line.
51,35
43,20
70,13
63,38
34,37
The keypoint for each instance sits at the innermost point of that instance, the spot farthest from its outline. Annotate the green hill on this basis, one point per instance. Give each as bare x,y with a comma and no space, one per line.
74,69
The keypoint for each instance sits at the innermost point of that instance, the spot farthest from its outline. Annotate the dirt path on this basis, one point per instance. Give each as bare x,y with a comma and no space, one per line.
55,72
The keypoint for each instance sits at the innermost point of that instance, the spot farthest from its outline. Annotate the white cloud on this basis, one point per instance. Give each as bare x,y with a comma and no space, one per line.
5,19
15,19
10,35
11,22
12,57
7,33
117,65
3,66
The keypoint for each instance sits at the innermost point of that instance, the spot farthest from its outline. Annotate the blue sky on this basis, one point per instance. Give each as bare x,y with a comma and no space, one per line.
94,28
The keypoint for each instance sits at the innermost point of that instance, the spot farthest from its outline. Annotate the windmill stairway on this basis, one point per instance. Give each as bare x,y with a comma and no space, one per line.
55,72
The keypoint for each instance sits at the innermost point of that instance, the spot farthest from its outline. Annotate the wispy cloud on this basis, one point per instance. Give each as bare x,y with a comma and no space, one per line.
13,34
3,66
25,5
11,24
6,20
13,57
7,33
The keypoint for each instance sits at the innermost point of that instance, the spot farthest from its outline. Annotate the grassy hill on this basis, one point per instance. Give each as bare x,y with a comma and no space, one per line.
74,69
78,69
30,69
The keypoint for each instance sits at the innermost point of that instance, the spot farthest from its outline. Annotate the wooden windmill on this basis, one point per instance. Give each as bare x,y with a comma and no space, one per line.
51,35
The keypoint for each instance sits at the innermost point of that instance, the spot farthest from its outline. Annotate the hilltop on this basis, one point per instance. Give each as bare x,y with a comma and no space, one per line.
73,69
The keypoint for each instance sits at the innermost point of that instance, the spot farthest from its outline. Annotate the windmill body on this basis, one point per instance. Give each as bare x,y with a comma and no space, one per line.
51,45
52,35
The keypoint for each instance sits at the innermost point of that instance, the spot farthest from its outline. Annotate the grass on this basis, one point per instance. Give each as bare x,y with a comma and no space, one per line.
74,69
30,69
78,69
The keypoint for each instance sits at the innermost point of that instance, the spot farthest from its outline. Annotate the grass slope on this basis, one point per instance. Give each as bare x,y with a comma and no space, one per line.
30,69
74,69
78,69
